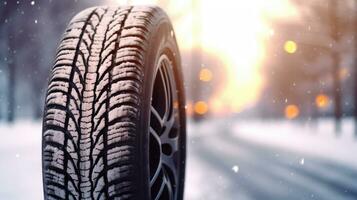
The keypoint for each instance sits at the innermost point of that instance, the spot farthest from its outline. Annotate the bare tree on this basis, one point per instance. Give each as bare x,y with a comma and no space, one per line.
355,65
7,10
337,93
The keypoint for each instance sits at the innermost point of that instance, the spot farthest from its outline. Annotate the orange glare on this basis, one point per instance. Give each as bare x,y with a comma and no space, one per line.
322,101
201,107
291,111
205,75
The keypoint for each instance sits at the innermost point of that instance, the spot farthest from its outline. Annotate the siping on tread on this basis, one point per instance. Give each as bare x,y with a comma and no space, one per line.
92,105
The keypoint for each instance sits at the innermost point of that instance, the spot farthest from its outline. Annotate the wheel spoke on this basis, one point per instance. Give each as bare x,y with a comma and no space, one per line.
155,135
164,130
157,115
162,187
169,187
169,124
159,165
165,136
170,164
156,175
167,88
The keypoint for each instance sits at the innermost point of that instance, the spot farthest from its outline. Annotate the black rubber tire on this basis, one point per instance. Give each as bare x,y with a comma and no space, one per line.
97,113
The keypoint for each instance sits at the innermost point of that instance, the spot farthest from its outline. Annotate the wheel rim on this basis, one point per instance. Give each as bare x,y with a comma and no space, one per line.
164,149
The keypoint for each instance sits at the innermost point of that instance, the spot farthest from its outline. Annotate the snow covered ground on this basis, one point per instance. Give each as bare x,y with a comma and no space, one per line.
20,161
228,159
250,159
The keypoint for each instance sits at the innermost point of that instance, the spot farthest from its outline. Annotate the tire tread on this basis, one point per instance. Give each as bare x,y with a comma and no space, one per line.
92,105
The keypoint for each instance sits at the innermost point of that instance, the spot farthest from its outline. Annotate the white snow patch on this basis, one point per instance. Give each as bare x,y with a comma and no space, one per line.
319,140
20,158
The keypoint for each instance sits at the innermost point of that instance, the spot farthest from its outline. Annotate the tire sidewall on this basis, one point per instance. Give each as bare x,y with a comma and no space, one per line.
160,41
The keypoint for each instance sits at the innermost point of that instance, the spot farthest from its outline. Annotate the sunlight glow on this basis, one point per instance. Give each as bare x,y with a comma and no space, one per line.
237,33
234,31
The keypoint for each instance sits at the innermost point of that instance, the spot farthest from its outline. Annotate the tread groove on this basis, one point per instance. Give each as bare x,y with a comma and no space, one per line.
93,104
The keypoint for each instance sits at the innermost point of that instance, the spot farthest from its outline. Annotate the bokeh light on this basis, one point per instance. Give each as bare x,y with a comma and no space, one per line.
201,107
322,101
290,46
292,111
205,75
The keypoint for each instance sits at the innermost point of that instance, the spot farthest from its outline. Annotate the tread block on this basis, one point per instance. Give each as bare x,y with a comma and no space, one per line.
92,104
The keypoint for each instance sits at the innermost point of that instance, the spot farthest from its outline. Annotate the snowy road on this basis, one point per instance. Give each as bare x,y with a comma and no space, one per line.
227,160
264,171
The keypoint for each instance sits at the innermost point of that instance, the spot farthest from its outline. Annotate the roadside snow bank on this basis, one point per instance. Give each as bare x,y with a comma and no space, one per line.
317,140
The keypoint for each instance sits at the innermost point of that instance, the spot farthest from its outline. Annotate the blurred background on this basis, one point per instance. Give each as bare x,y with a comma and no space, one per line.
271,94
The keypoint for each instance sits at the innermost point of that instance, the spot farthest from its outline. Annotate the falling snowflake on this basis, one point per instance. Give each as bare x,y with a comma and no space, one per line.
302,161
32,3
17,155
235,168
35,21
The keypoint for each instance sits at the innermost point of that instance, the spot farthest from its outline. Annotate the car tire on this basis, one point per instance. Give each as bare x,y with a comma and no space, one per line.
114,124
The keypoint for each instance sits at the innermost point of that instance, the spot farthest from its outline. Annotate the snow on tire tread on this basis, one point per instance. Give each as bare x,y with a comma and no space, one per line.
92,105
